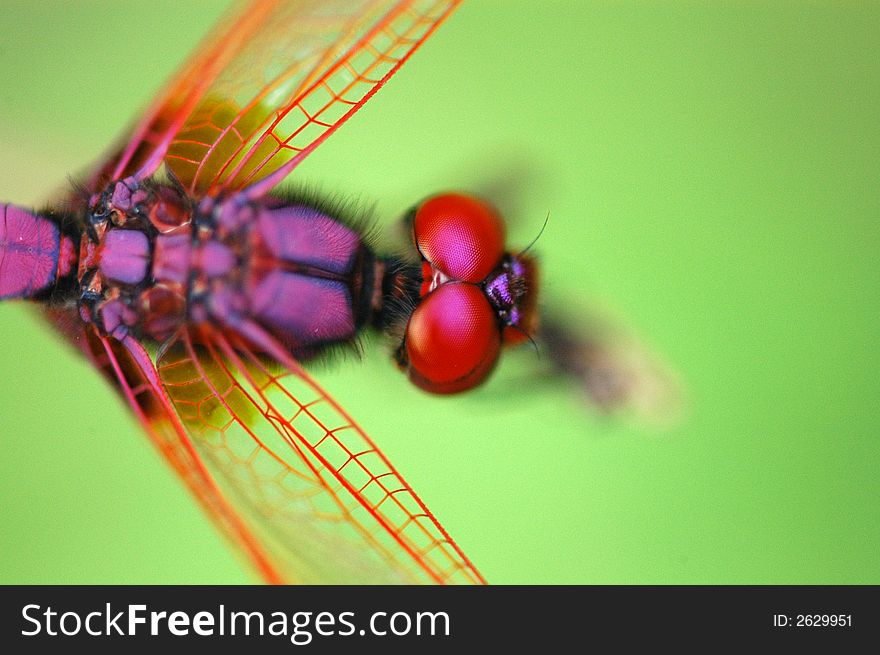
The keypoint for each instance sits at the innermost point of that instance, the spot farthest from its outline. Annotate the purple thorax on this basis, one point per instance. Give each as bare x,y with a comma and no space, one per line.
125,256
306,276
159,260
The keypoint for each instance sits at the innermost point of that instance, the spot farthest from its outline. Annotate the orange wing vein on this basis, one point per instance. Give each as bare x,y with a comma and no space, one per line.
313,490
269,84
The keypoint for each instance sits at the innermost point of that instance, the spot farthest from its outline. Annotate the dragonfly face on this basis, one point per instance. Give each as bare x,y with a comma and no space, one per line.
474,295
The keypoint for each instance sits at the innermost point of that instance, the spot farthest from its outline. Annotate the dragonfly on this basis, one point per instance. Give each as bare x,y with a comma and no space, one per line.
199,290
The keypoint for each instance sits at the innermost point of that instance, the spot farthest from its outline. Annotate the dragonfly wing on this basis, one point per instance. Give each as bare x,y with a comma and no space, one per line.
309,485
271,82
130,370
280,468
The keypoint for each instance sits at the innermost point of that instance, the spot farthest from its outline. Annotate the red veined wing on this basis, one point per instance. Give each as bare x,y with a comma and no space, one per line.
269,84
280,468
129,369
313,490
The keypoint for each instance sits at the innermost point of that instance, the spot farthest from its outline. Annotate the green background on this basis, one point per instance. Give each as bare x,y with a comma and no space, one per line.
711,171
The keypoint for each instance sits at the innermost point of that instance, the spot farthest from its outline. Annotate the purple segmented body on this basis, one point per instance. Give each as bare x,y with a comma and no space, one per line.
31,247
152,259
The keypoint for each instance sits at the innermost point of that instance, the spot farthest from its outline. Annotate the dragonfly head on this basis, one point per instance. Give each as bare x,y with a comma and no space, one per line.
475,297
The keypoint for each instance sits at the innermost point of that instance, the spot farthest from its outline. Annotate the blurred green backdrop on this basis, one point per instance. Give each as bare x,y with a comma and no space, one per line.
711,170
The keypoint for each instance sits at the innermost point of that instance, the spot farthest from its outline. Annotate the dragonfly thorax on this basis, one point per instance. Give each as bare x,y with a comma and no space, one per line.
153,259
134,259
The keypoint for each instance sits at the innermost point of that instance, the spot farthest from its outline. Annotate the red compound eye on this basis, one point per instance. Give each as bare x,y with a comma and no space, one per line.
461,236
452,340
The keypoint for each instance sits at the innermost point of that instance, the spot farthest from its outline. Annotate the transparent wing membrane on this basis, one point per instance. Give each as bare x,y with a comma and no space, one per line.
268,87
280,468
129,369
310,485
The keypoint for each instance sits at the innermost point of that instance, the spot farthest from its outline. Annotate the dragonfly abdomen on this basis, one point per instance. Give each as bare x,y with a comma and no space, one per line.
36,256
